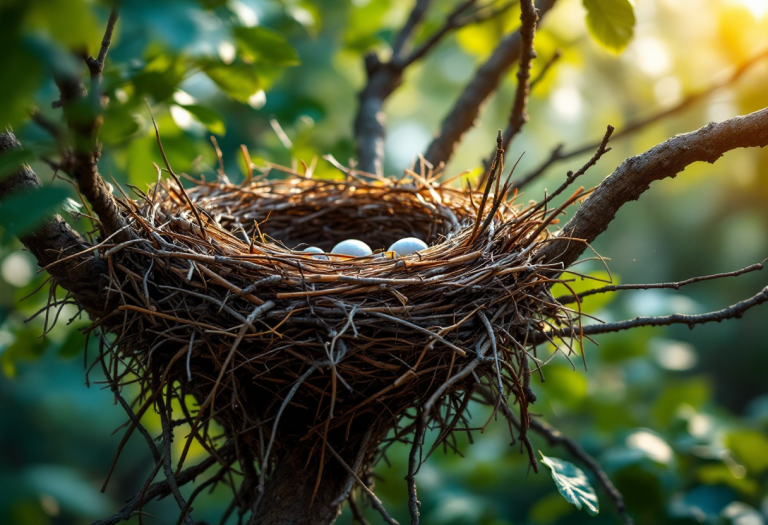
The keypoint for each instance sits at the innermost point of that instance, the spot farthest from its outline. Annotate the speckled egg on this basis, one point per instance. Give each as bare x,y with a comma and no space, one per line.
408,246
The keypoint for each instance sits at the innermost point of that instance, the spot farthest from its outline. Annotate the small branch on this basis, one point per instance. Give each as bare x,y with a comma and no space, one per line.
635,175
733,311
376,502
555,437
96,65
484,82
519,115
167,468
158,490
544,70
455,21
567,299
417,14
570,177
558,154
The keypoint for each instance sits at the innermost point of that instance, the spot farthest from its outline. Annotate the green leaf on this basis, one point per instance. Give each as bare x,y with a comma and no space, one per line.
12,160
611,22
21,212
572,484
265,46
751,448
207,117
239,81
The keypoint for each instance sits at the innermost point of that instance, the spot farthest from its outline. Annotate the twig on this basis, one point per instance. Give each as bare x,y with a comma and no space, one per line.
160,489
566,299
558,154
167,468
376,502
733,311
484,81
635,175
96,65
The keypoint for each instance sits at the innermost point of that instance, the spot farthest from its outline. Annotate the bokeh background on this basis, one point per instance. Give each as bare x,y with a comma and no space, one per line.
678,418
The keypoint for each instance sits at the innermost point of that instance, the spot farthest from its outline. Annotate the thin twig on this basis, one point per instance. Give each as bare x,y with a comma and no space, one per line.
566,299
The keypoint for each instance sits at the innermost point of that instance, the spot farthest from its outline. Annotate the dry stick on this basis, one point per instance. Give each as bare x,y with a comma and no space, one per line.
558,155
735,310
176,178
209,400
167,468
519,115
485,81
376,502
160,489
566,299
358,461
635,175
570,176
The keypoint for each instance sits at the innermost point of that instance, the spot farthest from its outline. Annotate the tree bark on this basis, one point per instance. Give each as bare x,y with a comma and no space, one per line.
636,174
85,276
289,490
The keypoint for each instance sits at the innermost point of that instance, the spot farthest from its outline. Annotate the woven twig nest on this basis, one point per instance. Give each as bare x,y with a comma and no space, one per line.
281,348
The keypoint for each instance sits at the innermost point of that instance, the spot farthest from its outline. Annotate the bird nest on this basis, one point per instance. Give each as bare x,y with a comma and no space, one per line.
219,309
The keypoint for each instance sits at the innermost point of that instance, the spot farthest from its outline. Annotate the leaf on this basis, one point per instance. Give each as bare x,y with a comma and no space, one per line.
22,211
265,46
237,80
209,118
572,484
12,160
611,22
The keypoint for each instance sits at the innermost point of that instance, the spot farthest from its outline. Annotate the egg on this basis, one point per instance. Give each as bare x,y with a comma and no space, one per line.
315,249
408,246
352,247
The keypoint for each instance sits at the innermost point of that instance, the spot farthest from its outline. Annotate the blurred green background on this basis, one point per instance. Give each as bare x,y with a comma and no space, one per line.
678,418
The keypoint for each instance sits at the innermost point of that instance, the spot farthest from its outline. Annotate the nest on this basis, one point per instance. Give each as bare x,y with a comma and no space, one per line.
219,309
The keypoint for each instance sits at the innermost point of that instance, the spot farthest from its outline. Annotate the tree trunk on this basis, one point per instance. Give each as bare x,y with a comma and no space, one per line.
288,492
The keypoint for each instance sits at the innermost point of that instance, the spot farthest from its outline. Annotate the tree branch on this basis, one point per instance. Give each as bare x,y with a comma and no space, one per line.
484,82
733,311
558,154
567,299
83,275
83,114
635,175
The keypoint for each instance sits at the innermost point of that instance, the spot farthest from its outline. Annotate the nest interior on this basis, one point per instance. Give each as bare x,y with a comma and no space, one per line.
215,308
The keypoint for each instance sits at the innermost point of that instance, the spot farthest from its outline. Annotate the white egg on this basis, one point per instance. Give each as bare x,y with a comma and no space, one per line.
352,247
315,249
408,246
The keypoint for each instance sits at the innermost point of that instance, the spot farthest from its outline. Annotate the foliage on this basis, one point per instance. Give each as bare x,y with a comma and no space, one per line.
232,67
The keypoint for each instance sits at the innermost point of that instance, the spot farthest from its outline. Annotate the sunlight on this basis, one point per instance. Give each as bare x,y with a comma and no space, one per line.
756,7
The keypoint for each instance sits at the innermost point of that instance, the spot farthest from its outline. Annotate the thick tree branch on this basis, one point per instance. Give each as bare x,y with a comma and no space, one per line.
635,175
84,276
484,82
558,154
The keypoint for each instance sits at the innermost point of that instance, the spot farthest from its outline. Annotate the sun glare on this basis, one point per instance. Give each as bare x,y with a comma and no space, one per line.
757,7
